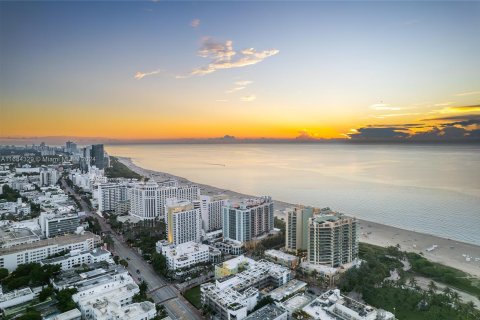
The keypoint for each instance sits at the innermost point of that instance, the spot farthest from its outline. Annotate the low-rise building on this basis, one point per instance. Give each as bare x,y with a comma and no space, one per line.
184,255
54,224
268,312
37,251
332,305
108,309
231,247
289,289
76,258
282,258
93,294
73,314
12,235
97,274
15,297
228,304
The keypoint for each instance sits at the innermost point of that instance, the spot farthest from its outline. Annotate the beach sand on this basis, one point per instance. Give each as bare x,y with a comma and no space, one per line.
448,252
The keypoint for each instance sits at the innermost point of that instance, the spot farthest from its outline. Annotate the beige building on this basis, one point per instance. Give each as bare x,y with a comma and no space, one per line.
333,240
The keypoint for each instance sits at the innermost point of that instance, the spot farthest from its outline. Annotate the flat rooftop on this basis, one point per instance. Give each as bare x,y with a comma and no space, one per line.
293,286
268,312
60,240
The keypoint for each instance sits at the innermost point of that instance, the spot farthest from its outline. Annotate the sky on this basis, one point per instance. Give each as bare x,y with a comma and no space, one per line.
305,70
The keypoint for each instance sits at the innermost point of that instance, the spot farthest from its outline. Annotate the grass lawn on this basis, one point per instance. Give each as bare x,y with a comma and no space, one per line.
193,296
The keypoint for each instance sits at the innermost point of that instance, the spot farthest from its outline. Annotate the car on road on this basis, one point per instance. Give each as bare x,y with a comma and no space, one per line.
138,271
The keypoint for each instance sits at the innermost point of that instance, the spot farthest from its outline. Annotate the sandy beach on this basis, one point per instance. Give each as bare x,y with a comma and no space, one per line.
449,252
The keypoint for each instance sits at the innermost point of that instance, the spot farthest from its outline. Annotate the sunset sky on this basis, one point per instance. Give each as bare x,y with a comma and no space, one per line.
163,70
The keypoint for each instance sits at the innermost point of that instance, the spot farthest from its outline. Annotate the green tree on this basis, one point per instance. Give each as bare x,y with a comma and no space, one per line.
3,273
65,302
123,262
45,293
159,263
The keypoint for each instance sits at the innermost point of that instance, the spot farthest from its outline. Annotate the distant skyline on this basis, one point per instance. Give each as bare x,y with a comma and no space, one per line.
146,71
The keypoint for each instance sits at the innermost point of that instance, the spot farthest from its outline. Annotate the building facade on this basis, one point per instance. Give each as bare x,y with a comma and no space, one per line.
37,251
53,224
183,222
248,220
110,195
211,208
296,237
144,200
333,240
184,255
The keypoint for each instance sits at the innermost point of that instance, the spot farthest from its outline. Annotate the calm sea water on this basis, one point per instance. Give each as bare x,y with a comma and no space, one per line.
430,189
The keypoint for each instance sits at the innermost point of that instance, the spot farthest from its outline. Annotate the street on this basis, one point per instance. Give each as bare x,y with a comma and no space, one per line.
158,289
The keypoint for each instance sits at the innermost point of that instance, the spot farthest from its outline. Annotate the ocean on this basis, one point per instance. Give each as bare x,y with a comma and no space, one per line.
433,189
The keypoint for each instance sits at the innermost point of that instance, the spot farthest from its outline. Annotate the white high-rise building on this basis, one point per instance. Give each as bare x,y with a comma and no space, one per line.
184,222
110,195
48,177
248,220
169,189
211,208
144,200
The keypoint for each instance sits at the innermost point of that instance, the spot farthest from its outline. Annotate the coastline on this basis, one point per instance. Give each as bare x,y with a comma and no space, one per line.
449,252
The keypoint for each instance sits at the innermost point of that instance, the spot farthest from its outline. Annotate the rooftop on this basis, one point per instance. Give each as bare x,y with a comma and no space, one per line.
291,287
60,240
268,312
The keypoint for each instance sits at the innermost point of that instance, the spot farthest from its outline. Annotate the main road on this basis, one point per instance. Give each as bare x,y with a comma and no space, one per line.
158,289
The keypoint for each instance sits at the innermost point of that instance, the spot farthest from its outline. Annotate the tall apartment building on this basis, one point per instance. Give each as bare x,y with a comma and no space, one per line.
98,156
211,209
37,251
53,224
169,189
296,237
48,176
248,220
333,240
184,222
110,195
70,147
144,200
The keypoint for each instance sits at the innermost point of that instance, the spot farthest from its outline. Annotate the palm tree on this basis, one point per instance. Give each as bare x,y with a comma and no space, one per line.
432,287
447,291
413,282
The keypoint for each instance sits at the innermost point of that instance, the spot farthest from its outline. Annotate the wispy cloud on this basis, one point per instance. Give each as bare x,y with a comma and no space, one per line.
223,56
442,104
222,100
240,85
459,109
235,89
243,83
382,116
383,107
248,98
195,23
469,93
140,75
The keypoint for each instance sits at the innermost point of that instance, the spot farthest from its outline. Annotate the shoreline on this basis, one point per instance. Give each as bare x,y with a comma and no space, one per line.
449,252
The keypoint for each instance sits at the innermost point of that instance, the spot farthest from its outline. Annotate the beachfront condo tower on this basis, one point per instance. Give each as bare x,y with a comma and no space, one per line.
332,240
296,237
211,208
248,219
184,221
144,200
